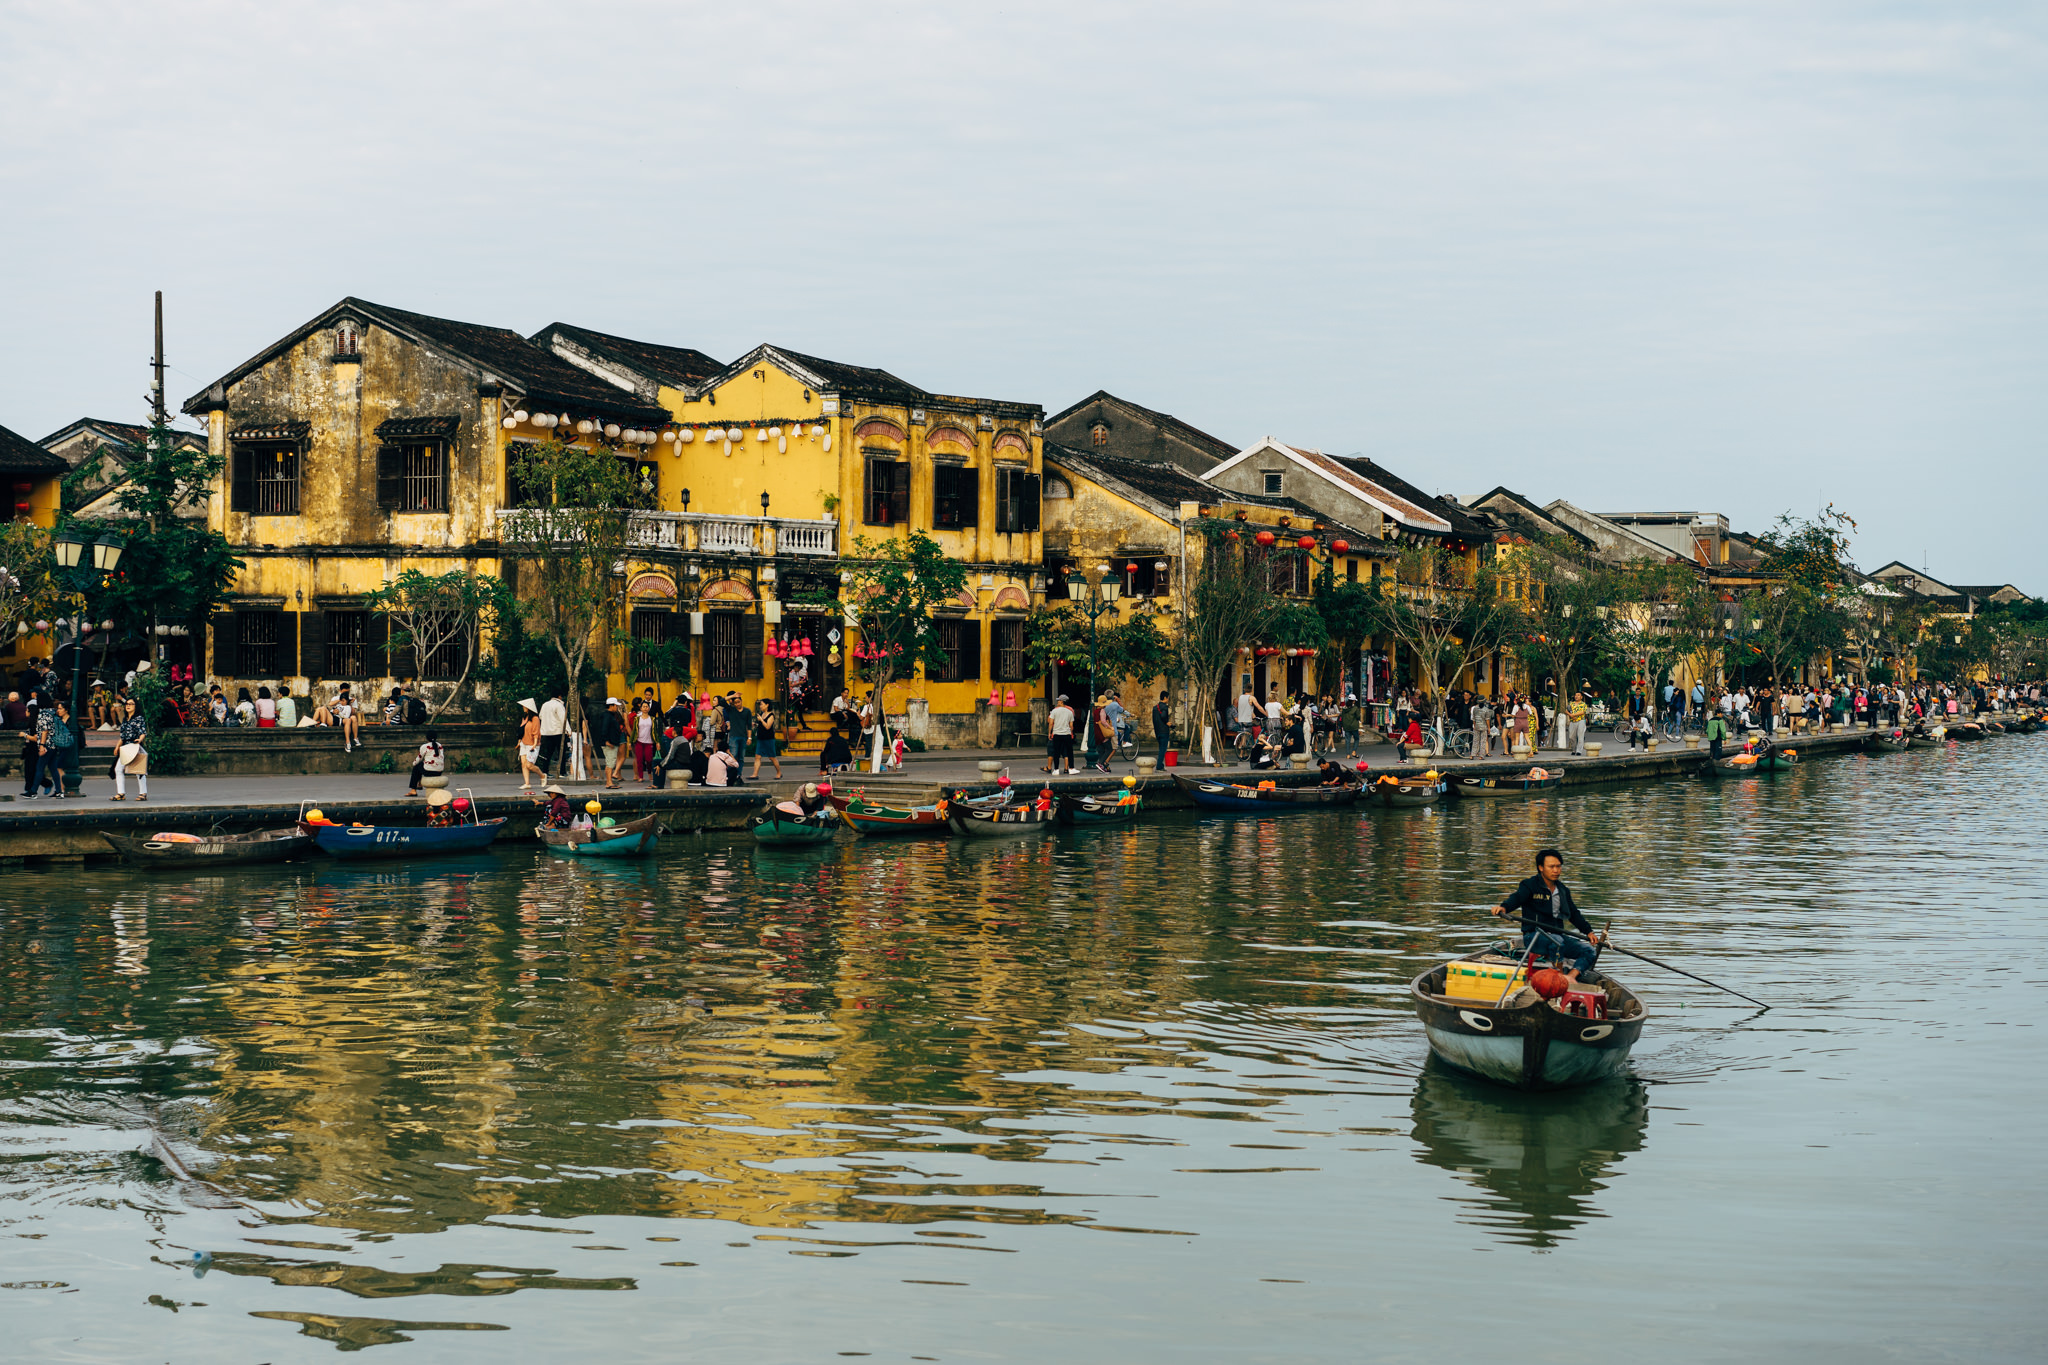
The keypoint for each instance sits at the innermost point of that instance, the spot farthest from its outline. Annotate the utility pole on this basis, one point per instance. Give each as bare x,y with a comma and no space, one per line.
156,388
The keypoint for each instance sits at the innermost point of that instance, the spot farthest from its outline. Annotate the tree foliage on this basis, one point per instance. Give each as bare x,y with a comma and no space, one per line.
430,613
1228,603
570,540
893,586
1448,614
1055,636
1571,611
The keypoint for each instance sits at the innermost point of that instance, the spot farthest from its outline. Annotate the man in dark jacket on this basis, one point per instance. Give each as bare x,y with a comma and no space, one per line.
1162,719
611,739
1543,903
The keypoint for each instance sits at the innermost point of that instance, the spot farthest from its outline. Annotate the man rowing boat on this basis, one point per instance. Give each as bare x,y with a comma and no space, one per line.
1543,903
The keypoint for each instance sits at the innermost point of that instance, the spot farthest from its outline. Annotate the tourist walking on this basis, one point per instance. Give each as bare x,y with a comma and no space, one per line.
1575,725
1059,723
530,752
643,738
1162,718
611,742
553,733
1482,728
764,740
31,748
132,758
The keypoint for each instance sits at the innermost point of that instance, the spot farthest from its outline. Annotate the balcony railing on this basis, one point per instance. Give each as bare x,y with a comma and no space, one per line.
687,532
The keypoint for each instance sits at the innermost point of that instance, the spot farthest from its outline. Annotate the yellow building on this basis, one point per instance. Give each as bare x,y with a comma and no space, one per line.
34,478
773,466
368,441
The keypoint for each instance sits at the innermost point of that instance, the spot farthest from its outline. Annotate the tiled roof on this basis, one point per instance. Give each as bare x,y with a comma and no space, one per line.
543,378
1194,436
679,367
859,381
1460,520
431,428
1170,485
19,455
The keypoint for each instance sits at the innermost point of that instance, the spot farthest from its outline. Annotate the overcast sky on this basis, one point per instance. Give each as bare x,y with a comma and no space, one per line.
1746,256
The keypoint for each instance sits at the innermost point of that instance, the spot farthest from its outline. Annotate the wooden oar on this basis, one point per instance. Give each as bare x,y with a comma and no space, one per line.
1566,933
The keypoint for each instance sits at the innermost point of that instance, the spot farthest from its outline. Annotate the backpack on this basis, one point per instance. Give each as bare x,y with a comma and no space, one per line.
62,736
415,711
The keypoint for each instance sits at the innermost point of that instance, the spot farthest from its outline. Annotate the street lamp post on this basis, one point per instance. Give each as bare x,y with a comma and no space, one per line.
1093,604
106,556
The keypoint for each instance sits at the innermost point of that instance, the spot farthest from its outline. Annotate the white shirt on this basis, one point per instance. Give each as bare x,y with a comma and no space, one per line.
1061,720
554,716
1246,708
1273,711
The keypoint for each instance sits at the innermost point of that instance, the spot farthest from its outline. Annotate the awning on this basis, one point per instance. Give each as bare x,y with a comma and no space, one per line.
271,431
417,428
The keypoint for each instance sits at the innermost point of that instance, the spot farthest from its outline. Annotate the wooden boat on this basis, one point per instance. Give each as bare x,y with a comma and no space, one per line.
1992,727
785,823
1509,786
993,822
404,841
877,821
1230,796
1526,1041
1968,732
1894,742
1409,791
1086,812
632,839
1772,760
189,850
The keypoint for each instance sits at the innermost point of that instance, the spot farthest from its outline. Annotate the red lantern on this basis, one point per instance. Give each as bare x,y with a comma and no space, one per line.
1264,537
1130,568
1230,536
1342,547
1305,543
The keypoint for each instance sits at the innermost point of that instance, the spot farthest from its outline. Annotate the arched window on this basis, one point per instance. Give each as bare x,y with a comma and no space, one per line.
348,338
1099,433
1057,488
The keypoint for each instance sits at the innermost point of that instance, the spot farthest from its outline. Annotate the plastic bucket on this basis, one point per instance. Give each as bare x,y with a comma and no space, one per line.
1172,758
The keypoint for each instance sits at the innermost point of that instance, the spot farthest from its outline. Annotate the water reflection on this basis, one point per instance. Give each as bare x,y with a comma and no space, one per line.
1538,1158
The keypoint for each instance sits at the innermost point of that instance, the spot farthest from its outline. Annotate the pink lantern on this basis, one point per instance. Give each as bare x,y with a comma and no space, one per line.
805,646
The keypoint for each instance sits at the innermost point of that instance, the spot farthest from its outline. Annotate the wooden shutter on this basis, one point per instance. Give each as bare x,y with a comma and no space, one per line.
242,480
970,651
376,635
1030,507
751,643
405,661
899,492
313,644
390,478
227,640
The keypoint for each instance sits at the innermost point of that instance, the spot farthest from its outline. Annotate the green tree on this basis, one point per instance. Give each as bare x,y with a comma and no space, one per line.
434,613
892,587
1132,649
1568,623
1673,613
569,538
1447,614
1228,603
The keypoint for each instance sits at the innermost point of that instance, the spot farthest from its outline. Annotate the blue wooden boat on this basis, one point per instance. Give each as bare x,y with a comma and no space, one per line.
1230,796
634,839
404,841
1088,812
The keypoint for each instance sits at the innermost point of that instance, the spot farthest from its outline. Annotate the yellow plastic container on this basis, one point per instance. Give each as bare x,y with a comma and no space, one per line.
1487,981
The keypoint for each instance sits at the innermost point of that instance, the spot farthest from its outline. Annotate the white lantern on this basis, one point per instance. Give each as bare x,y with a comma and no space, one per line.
817,431
734,434
760,433
561,421
611,429
667,437
728,447
511,422
686,436
520,415
585,427
106,625
776,432
781,446
42,627
21,627
828,441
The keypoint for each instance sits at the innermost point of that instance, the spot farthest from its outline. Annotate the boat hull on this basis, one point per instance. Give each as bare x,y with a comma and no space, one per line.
1502,788
634,839
779,829
1266,801
1529,1044
405,841
998,823
1085,812
268,846
1410,794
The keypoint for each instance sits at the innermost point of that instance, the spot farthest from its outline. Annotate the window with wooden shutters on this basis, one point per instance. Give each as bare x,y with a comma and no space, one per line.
1017,497
650,627
348,634
227,661
961,639
264,479
412,478
753,639
1006,640
956,497
885,492
313,643
259,632
722,653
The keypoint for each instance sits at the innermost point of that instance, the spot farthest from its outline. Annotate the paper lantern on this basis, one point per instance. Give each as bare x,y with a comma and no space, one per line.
776,432
817,431
511,422
1342,547
1265,537
1305,543
519,415
686,436
667,437
828,441
734,434
760,433
611,429
781,447
561,421
728,446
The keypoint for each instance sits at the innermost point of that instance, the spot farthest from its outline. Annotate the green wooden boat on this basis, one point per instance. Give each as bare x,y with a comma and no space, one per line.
1088,812
782,823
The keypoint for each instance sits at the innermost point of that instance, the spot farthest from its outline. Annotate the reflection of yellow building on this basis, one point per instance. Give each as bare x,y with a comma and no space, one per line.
33,477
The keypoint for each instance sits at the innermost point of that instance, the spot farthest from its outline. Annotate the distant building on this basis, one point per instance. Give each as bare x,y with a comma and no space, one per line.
1123,430
99,453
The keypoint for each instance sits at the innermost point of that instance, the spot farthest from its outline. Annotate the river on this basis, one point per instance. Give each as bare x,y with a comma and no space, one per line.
1118,1096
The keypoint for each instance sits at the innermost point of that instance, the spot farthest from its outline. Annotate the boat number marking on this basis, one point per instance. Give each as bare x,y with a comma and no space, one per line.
1478,1021
1595,1033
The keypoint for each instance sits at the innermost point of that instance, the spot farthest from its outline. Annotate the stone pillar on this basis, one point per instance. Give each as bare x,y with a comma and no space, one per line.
1040,708
988,723
917,725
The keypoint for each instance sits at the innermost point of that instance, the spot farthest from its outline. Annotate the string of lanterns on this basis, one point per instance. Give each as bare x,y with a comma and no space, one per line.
774,429
549,421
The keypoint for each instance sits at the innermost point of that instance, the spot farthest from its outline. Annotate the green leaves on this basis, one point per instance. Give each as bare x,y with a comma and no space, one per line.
892,586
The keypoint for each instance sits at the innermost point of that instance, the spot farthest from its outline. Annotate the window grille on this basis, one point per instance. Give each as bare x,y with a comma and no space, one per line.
347,638
723,655
259,632
956,497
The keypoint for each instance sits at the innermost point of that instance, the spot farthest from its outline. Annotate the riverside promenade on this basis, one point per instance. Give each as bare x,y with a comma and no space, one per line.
69,829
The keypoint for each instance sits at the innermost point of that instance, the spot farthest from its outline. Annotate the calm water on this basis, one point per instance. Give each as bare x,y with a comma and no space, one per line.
1140,1095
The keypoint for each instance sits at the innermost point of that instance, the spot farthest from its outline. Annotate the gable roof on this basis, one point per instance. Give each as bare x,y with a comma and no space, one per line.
1895,570
1984,592
498,353
1462,522
828,376
1407,511
1163,487
1522,516
679,367
1216,446
19,455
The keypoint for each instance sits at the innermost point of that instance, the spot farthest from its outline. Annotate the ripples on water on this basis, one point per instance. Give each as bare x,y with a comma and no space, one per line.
1098,1097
